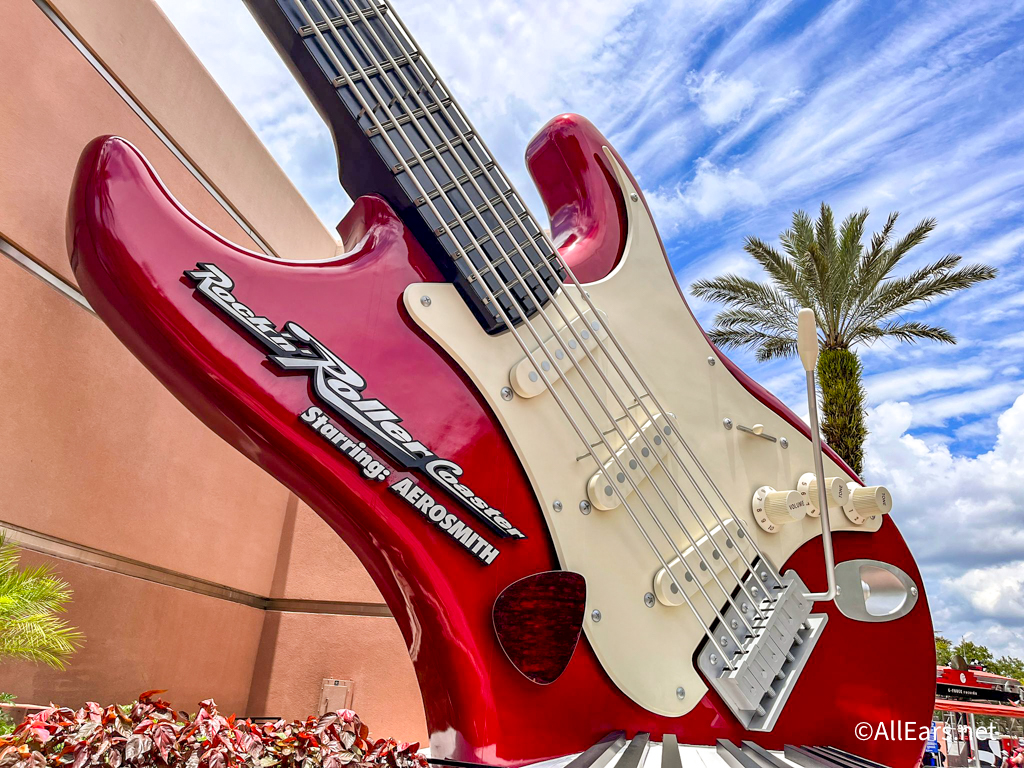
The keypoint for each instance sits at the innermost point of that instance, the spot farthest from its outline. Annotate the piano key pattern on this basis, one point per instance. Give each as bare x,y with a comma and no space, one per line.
616,751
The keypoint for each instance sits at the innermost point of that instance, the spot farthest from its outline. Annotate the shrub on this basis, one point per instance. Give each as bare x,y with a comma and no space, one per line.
30,598
150,733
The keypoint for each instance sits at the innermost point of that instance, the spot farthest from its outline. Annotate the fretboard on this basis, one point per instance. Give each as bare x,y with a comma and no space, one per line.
431,167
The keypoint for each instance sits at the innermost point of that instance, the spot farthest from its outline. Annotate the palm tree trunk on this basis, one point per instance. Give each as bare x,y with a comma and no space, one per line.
842,405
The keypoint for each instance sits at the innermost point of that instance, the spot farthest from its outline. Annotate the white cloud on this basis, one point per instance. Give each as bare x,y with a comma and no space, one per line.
961,516
707,196
721,99
938,410
918,380
995,592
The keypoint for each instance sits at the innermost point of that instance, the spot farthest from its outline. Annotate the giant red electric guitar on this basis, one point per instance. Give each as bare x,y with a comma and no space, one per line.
584,517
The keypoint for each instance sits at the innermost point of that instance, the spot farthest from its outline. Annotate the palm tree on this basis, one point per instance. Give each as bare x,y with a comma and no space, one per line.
856,300
29,598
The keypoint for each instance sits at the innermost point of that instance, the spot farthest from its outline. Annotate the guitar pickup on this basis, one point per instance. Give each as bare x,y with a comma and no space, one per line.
725,545
634,458
524,377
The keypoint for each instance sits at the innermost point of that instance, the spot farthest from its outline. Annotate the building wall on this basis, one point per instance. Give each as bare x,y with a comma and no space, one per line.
192,569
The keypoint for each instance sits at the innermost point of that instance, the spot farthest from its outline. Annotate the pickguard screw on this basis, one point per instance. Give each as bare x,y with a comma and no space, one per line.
784,442
425,301
649,600
595,615
634,196
727,423
913,591
680,692
711,361
507,393
557,506
585,507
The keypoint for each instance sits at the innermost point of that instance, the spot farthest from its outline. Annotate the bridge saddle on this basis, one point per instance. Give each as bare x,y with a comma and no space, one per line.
770,661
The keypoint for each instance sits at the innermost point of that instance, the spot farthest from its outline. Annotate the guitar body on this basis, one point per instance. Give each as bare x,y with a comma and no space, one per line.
131,244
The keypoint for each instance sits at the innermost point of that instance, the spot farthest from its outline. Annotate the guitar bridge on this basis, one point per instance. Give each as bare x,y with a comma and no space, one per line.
770,661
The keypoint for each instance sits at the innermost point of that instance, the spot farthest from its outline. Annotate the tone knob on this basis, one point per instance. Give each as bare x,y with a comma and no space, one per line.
773,509
835,492
867,501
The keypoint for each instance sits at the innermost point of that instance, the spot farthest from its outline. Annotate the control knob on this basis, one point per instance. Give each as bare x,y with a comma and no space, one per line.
835,491
773,509
865,502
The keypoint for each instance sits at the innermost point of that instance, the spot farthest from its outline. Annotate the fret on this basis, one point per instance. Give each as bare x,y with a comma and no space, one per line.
421,136
378,69
325,26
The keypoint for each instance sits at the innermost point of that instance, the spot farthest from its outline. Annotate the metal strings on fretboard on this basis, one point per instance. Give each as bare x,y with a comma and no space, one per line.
372,35
512,271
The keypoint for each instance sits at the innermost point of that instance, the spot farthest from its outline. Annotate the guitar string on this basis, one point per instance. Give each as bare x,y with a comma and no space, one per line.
433,180
357,35
522,343
748,563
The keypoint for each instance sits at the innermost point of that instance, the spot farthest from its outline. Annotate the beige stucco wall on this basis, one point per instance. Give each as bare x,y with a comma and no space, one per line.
299,648
143,636
94,452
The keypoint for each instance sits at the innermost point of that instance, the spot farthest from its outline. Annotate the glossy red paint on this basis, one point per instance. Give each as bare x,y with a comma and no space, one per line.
130,243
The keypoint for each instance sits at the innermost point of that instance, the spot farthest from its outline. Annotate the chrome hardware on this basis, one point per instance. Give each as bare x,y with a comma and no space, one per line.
711,361
425,301
727,423
649,599
757,430
585,507
768,665
557,506
595,615
634,196
874,591
807,347
784,442
680,693
507,393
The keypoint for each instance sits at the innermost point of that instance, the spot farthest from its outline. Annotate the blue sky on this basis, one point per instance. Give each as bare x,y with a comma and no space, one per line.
733,114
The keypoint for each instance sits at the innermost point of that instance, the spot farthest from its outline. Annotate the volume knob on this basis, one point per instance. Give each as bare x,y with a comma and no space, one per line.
865,502
773,509
835,492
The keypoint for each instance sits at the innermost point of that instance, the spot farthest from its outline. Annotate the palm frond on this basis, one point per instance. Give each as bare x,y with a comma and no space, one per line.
847,259
891,257
729,319
766,346
925,284
907,330
779,268
736,291
29,600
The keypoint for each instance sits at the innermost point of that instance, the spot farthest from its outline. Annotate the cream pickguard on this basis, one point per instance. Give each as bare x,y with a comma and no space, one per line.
646,313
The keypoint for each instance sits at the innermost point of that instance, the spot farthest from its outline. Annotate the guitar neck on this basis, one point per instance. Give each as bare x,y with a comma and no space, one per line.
400,134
